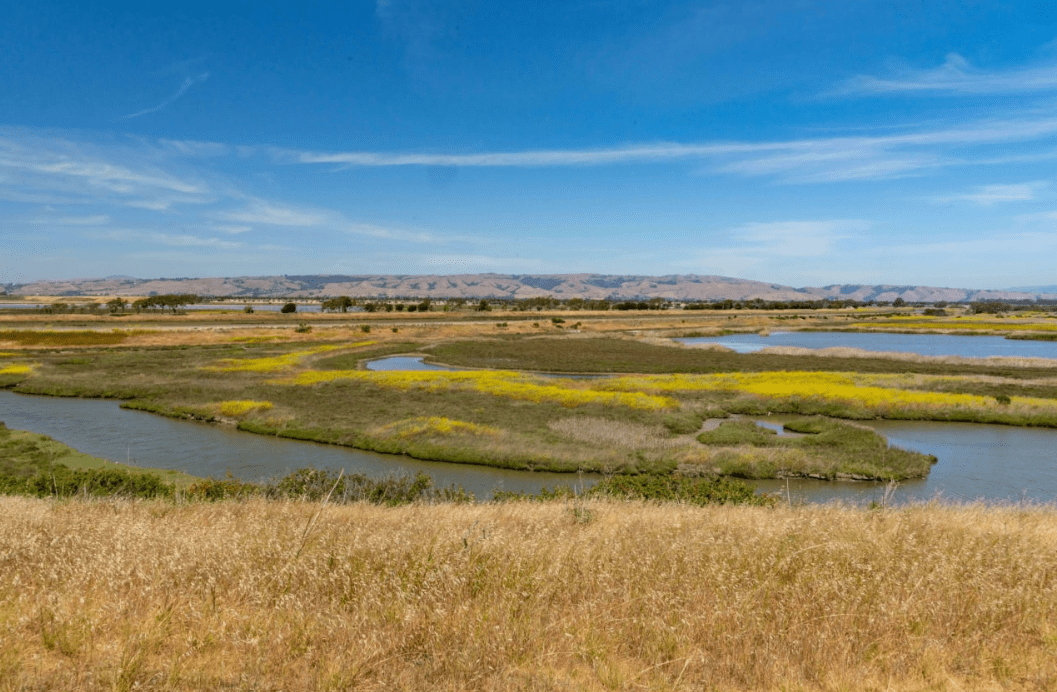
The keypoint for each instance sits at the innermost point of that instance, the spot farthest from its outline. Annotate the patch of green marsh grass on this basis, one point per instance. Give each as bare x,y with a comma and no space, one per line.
829,449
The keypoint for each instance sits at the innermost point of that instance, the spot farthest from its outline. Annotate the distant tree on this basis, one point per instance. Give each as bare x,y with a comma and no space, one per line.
288,308
483,306
117,305
173,301
898,302
424,306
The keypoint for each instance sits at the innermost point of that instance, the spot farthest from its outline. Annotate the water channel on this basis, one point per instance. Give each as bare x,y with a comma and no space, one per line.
103,429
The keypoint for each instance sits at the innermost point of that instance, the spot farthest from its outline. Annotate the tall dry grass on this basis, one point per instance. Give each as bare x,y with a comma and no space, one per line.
524,596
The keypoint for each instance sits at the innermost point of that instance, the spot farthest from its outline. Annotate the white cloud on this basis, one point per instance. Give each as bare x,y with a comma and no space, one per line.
955,75
260,211
94,220
38,165
797,238
225,228
187,84
168,239
987,195
788,251
822,159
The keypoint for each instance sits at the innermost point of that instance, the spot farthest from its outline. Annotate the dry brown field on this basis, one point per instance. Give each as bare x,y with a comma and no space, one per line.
257,595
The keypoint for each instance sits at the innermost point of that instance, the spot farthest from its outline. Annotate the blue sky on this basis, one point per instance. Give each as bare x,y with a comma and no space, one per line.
803,143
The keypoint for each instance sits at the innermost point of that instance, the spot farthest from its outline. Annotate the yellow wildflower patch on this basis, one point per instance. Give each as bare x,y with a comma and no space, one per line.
436,425
16,370
502,383
877,393
276,363
239,408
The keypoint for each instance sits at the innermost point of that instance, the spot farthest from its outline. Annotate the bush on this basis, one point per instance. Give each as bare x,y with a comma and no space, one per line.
314,485
288,308
61,481
303,328
695,491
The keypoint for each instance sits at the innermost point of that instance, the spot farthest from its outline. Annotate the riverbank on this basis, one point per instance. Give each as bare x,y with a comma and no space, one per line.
26,456
544,596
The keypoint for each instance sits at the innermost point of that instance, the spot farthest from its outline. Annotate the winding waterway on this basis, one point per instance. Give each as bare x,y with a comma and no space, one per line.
103,429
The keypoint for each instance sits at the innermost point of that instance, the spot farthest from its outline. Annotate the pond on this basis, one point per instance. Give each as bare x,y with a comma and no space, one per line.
922,344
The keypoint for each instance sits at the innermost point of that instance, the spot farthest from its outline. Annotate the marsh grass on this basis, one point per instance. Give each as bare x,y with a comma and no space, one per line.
828,449
522,596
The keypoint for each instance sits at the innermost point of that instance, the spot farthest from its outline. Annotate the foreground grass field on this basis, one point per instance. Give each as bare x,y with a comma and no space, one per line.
118,595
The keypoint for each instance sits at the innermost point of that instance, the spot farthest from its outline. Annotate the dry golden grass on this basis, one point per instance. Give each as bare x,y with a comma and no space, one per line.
524,596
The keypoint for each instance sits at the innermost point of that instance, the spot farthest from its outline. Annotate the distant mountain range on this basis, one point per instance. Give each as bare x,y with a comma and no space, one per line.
477,286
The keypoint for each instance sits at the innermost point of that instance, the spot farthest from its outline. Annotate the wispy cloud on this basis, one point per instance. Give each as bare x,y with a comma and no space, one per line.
168,239
93,220
796,238
987,195
259,211
777,249
821,159
38,166
187,84
955,76
263,212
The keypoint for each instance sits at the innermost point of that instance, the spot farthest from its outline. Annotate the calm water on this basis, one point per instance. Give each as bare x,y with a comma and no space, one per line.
989,462
923,344
403,363
996,463
103,429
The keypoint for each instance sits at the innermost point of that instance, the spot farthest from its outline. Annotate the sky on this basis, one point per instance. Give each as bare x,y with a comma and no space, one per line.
794,142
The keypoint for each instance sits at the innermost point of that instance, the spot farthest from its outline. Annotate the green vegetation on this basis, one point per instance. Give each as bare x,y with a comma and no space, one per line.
829,449
654,488
32,464
173,301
